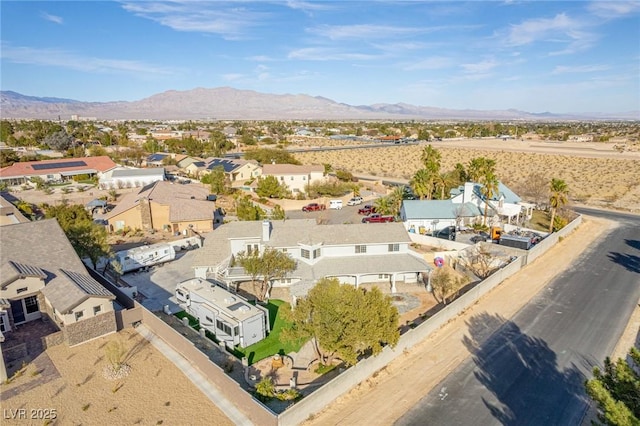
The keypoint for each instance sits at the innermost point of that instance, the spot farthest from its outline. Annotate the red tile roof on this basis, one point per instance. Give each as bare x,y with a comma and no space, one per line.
101,164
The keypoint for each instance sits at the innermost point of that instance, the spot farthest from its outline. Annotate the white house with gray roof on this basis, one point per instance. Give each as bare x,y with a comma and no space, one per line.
465,207
41,276
354,253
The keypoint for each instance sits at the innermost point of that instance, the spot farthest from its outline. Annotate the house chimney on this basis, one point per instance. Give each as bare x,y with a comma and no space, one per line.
468,191
266,230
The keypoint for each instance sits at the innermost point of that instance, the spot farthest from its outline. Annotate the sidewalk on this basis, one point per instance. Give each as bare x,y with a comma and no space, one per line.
212,392
385,398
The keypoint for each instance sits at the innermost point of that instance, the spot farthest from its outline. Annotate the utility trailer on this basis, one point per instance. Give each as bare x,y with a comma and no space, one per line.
515,241
145,256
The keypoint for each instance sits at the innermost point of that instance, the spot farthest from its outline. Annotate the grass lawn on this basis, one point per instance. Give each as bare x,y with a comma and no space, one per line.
272,345
540,221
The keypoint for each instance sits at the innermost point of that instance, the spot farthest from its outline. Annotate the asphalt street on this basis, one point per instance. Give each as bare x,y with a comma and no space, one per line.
532,370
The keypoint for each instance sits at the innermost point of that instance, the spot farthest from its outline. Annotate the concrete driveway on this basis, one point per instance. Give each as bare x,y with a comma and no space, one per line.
158,284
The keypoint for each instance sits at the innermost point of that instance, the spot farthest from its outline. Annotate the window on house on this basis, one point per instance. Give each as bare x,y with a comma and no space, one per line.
284,250
291,177
281,177
394,247
21,290
361,249
3,327
97,309
383,276
31,303
223,327
316,253
252,249
209,319
79,315
236,330
304,253
304,178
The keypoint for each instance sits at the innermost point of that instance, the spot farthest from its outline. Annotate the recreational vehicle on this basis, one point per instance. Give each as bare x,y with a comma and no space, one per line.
228,316
144,256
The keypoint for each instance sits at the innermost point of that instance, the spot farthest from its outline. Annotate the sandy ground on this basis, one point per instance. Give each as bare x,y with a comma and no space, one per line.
596,174
383,399
156,392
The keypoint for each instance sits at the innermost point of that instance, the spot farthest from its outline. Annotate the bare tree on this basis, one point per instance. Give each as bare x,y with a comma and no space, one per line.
480,261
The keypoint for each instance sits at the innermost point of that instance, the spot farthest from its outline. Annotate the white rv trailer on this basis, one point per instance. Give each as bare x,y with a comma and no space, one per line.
144,256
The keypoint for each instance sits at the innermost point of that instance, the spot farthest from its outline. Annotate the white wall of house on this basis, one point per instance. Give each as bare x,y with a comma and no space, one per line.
246,172
22,287
91,307
428,224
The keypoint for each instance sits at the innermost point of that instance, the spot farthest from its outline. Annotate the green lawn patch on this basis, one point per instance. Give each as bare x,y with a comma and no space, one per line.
272,344
540,221
193,321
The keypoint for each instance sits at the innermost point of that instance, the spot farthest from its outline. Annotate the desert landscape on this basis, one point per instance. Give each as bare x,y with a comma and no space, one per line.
597,174
71,382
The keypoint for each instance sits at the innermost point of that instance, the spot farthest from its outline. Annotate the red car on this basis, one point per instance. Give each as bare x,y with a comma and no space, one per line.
377,218
313,207
367,209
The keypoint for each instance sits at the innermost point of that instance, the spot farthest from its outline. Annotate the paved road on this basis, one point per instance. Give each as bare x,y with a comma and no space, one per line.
531,371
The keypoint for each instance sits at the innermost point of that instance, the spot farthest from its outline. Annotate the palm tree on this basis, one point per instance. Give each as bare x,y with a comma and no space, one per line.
489,189
397,196
422,184
384,205
431,159
479,167
443,182
558,198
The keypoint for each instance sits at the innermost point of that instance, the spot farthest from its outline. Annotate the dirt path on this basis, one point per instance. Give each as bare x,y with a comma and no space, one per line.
385,398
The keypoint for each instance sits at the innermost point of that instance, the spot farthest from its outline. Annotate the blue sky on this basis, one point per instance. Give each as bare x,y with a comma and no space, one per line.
537,56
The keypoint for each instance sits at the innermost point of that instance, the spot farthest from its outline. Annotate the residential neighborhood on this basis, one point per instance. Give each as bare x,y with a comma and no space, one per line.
196,251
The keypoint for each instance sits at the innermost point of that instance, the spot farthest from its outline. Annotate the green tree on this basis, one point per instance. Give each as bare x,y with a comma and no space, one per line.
246,210
278,213
269,265
268,186
219,143
616,390
88,239
445,286
384,205
268,156
559,197
59,141
217,180
344,321
431,159
25,207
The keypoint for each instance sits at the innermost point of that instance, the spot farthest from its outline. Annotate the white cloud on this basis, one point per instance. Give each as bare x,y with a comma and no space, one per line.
229,21
328,54
612,9
363,31
564,69
540,29
52,18
65,59
479,67
432,63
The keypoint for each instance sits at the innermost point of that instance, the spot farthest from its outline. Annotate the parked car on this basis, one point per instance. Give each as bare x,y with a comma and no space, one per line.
355,201
482,236
335,204
448,233
367,209
377,218
313,207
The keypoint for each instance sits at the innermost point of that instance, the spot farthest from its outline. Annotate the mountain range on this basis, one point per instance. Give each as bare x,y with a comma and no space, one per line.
225,103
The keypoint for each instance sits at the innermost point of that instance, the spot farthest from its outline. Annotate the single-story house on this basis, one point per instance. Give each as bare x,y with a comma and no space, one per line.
352,253
56,170
228,316
48,280
124,177
237,171
164,206
294,177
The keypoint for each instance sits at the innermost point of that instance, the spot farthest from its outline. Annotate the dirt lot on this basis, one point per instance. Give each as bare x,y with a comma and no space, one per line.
70,381
597,174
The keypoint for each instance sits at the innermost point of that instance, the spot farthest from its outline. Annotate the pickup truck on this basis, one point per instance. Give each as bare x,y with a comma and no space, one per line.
313,207
377,218
366,209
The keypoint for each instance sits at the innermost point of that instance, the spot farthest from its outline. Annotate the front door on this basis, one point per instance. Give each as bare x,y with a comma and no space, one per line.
17,310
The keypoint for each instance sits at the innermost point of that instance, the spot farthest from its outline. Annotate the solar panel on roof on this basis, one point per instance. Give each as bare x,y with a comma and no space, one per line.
60,165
